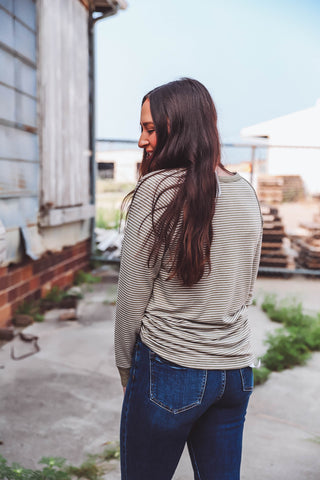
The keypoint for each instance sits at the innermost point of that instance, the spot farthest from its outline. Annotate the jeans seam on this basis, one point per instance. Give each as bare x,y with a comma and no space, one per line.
223,385
194,459
126,411
245,388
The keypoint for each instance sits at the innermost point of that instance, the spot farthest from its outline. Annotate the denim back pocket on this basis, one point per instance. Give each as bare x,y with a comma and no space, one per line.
247,379
173,387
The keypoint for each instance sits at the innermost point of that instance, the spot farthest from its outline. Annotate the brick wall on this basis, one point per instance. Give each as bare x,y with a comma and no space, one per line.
33,279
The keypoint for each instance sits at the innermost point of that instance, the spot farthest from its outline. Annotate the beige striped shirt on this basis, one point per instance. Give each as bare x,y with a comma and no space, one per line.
203,326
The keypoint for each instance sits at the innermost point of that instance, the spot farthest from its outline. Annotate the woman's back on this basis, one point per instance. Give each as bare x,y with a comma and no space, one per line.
203,326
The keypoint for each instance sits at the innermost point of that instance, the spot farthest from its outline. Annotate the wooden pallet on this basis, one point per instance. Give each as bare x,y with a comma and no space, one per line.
272,253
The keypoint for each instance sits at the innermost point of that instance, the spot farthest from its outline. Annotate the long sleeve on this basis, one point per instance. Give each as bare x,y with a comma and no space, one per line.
255,268
135,278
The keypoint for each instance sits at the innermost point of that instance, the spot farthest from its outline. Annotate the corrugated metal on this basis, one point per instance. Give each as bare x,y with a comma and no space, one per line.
17,144
19,158
18,103
64,106
7,4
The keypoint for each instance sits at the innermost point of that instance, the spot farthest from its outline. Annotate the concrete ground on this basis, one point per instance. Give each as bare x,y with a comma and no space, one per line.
66,399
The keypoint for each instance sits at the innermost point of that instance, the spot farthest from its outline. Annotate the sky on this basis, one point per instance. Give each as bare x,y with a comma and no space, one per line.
258,59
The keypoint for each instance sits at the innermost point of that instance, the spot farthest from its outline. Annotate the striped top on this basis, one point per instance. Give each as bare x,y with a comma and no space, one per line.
203,326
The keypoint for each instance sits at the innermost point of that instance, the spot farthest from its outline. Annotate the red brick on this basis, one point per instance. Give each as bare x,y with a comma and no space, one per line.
13,294
5,315
3,271
4,282
15,277
14,306
46,276
26,272
24,289
58,270
45,288
59,282
3,298
34,283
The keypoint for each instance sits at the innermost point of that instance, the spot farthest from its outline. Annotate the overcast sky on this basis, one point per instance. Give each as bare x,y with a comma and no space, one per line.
259,59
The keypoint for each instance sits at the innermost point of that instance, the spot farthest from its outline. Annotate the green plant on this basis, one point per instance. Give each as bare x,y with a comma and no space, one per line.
269,303
286,349
291,345
261,375
88,469
55,295
55,468
31,308
108,219
111,452
85,277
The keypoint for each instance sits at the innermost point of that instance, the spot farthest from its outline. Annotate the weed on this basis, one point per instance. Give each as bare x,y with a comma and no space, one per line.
85,277
88,469
55,468
261,375
39,317
31,308
111,452
286,349
291,345
254,302
268,304
108,220
55,295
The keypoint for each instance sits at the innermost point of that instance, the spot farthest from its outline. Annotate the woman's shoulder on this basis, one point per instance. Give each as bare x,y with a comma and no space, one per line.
159,184
159,178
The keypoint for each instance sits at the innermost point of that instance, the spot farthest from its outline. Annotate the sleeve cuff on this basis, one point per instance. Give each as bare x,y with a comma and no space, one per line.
124,375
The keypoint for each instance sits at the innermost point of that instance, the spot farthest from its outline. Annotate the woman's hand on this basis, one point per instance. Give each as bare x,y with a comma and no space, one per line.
124,390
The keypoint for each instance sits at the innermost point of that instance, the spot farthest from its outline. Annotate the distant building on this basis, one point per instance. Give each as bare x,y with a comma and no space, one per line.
118,162
299,129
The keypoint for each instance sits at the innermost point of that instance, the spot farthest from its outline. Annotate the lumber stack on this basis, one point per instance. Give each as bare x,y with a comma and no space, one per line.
309,252
309,247
272,251
274,189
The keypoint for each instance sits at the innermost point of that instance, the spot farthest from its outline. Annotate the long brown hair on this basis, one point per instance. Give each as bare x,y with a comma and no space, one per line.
185,121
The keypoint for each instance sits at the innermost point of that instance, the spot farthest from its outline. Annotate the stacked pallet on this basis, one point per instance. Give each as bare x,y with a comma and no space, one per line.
270,189
274,189
309,252
272,251
309,247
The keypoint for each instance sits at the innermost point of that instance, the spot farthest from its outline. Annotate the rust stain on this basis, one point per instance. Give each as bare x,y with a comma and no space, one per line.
21,182
30,129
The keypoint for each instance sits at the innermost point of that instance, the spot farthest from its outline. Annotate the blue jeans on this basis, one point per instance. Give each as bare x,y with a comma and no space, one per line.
167,405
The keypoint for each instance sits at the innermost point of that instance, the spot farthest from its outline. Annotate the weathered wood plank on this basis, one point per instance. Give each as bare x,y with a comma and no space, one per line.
64,102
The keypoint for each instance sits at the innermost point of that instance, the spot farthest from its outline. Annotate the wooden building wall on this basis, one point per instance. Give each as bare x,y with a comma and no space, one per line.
63,111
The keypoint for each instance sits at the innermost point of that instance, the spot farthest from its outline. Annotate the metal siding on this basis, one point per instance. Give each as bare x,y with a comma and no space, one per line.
7,103
26,110
8,4
18,178
19,159
18,144
7,73
25,41
26,80
64,104
6,29
17,212
25,10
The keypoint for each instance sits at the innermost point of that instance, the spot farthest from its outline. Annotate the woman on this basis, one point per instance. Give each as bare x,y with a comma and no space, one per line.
189,261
